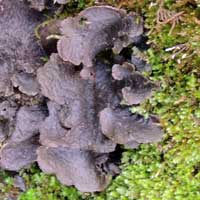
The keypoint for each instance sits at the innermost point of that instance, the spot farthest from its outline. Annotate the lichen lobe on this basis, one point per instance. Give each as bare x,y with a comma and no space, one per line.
78,119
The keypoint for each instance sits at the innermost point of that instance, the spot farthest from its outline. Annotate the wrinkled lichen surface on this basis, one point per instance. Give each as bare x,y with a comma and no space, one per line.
72,112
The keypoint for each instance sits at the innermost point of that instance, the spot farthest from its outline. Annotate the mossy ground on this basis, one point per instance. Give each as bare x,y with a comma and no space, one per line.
169,170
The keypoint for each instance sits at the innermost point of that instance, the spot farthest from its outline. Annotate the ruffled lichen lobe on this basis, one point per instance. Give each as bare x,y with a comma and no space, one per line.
78,119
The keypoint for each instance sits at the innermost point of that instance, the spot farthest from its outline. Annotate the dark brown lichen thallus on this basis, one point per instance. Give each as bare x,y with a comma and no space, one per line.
82,118
118,124
21,142
73,167
70,136
72,123
122,127
93,30
19,49
77,98
135,87
74,106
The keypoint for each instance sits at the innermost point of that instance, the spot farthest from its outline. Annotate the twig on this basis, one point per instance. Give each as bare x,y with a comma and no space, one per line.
165,16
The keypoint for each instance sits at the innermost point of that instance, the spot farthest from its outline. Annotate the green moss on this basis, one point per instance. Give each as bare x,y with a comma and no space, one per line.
7,189
43,187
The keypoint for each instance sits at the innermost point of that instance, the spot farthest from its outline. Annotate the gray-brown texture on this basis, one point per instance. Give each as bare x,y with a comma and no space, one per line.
8,111
84,108
20,56
38,4
26,83
96,29
135,87
19,50
73,167
74,136
123,128
19,150
15,156
73,119
28,121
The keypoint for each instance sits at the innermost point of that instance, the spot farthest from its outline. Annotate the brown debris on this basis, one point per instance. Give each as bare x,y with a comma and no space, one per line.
165,16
